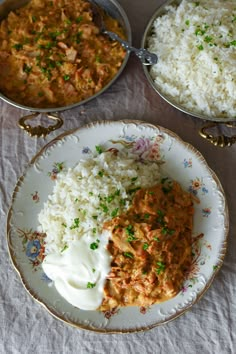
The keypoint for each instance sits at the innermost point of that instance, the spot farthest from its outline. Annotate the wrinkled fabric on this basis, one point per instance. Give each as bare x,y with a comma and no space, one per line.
25,326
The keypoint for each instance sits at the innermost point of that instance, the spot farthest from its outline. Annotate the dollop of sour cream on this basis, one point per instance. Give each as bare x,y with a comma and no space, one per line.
79,272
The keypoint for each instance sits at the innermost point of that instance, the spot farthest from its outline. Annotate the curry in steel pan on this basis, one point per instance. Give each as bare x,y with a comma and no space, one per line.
52,54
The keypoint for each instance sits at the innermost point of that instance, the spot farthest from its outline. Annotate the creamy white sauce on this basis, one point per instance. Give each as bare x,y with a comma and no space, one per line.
77,267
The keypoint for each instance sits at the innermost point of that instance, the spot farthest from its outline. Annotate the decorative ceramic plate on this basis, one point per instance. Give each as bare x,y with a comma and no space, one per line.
179,161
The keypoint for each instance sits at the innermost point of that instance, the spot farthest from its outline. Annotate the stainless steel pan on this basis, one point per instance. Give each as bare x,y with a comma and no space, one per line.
220,140
113,8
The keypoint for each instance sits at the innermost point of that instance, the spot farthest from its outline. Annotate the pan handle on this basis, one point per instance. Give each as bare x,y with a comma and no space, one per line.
220,140
39,130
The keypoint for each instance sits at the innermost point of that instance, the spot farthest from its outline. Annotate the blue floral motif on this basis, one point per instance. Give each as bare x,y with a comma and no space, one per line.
129,138
33,249
192,190
187,163
204,190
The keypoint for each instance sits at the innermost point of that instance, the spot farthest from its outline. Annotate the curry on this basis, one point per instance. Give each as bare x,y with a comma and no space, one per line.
151,247
52,54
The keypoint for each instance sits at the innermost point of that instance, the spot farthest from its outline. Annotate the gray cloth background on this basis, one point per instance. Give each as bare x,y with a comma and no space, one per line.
25,326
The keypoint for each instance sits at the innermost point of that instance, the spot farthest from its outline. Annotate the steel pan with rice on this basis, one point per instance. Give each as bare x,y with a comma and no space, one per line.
195,44
55,57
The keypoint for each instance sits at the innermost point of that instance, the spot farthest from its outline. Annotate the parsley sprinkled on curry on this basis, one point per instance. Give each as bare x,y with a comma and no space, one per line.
150,246
52,54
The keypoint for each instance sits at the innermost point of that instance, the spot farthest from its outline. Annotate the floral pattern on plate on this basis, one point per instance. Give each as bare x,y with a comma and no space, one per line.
57,168
33,246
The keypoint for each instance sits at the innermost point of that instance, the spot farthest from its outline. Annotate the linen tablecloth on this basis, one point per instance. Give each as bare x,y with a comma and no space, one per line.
25,326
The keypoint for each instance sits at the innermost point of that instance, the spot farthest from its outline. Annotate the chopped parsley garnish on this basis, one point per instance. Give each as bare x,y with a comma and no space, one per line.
94,245
122,202
104,208
99,149
98,59
161,267
199,32
128,254
145,246
66,77
47,72
233,43
48,45
91,285
77,37
59,63
208,39
134,179
41,46
51,64
64,224
200,47
110,198
38,59
68,22
156,239
129,230
187,22
164,179
160,213
79,19
166,231
166,190
101,173
18,46
133,190
27,69
93,270
160,218
114,212
95,217
34,19
131,238
43,70
64,248
117,192
76,224
54,35
146,216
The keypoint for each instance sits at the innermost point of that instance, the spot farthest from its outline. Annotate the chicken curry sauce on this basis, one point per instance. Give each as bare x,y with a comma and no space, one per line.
151,247
52,54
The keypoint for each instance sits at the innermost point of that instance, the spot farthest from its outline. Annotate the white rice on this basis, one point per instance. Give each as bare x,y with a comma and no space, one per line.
89,194
196,48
